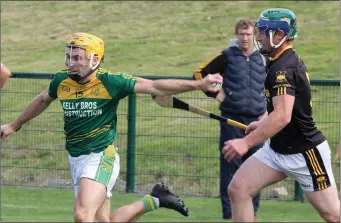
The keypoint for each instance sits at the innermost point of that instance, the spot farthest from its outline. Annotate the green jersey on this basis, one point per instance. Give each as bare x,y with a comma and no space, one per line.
90,110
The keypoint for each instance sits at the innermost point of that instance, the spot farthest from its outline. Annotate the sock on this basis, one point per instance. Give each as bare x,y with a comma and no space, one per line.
150,203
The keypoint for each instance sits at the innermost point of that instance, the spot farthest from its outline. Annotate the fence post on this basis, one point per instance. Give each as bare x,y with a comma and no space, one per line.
130,181
298,193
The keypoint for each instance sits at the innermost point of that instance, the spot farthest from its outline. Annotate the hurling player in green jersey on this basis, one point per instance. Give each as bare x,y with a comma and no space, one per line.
89,97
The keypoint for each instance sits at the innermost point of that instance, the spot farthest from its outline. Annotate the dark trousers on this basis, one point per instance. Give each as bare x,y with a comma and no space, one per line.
227,170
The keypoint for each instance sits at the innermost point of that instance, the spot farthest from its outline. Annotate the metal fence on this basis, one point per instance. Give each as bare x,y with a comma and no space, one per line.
155,144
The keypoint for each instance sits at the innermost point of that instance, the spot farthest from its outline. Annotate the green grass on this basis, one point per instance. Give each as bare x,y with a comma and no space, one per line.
53,205
155,38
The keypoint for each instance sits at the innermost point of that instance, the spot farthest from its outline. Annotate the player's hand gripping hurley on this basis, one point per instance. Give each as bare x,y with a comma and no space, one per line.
172,102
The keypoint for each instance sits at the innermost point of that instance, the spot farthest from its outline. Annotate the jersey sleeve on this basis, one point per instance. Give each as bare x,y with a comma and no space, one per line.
119,85
283,82
216,65
53,87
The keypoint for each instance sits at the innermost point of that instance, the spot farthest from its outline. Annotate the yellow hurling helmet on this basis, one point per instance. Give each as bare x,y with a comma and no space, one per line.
92,45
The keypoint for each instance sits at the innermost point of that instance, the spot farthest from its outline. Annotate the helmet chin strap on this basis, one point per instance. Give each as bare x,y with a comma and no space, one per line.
271,40
78,78
261,49
92,68
91,61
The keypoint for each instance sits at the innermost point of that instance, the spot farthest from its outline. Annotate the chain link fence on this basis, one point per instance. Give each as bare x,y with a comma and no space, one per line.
171,146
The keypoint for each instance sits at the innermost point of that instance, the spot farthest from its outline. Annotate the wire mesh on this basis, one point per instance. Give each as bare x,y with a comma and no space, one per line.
172,146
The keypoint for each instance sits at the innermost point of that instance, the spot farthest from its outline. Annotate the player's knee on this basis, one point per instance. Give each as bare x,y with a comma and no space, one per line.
80,215
329,216
233,191
101,217
237,190
83,215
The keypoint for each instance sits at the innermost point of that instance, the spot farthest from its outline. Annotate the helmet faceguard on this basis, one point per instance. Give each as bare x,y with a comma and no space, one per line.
273,20
92,45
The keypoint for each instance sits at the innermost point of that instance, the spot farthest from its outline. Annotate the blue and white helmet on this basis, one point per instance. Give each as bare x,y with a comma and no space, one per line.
274,19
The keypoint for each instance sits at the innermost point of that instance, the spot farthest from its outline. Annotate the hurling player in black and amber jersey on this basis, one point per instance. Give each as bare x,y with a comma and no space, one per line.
295,147
287,75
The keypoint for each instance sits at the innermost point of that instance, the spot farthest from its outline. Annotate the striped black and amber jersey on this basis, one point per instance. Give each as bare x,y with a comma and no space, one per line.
90,110
287,75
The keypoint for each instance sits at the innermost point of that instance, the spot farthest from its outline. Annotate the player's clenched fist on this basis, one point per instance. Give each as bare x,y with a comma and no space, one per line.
211,83
6,130
234,149
252,126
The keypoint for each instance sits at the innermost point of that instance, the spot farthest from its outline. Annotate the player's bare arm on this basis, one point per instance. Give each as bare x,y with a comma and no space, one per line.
5,74
35,108
268,127
263,116
175,86
254,125
221,96
274,122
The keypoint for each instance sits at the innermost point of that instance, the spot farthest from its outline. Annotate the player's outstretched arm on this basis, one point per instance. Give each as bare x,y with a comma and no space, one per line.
175,86
35,108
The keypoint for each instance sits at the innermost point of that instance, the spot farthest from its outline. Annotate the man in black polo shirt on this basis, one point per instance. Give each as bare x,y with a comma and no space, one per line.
296,148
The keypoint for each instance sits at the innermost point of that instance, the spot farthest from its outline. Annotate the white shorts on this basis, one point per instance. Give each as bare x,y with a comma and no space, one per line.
102,167
311,169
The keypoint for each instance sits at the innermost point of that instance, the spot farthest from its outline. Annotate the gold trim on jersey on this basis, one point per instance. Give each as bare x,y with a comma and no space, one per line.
281,90
197,73
69,90
307,75
280,53
90,134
